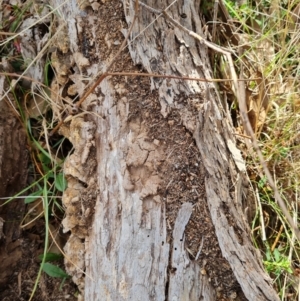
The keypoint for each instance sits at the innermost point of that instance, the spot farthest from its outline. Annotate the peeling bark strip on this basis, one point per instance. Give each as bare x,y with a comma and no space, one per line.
152,237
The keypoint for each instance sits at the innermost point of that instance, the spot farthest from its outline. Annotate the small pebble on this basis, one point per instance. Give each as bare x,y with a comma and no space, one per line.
156,142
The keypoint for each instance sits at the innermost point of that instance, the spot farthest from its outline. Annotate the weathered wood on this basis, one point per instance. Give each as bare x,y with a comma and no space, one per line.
231,229
129,254
129,234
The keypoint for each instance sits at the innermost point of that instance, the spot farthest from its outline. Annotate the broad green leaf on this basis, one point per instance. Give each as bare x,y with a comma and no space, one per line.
268,255
50,256
276,255
54,271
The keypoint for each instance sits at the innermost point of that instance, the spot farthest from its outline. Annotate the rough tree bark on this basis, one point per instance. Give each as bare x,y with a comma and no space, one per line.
155,164
13,177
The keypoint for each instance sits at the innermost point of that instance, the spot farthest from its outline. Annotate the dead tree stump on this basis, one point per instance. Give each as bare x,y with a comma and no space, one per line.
155,182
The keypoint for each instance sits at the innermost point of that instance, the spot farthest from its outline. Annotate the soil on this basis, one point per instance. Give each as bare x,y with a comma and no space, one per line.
22,274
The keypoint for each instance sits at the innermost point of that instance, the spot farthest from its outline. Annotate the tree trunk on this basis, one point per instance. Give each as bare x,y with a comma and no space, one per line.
155,164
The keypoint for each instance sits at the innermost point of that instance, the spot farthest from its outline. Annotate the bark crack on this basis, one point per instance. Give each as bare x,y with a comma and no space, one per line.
169,268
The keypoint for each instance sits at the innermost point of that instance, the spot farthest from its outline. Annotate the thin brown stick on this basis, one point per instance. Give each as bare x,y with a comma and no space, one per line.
56,128
4,33
277,238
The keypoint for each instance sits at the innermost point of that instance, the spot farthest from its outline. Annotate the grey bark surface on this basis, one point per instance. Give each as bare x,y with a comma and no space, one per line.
127,253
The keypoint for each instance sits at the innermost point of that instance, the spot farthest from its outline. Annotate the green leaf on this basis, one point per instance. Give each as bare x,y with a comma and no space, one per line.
262,182
44,158
60,182
289,270
284,151
62,283
33,196
50,175
276,255
54,271
268,255
50,256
